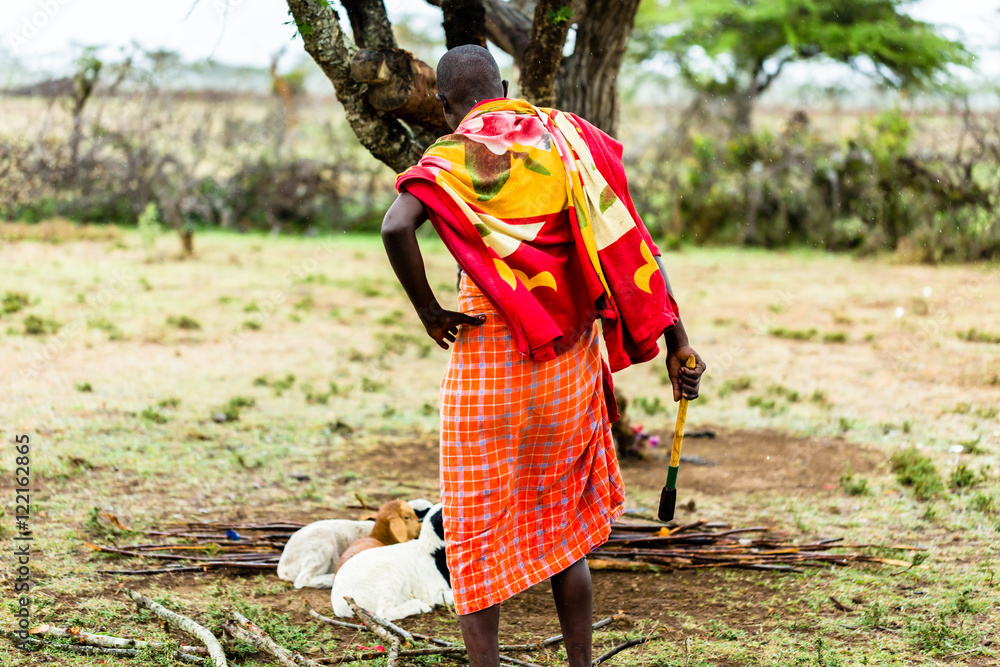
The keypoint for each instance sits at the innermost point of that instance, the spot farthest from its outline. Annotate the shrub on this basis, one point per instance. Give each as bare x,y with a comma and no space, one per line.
40,326
13,302
916,470
184,322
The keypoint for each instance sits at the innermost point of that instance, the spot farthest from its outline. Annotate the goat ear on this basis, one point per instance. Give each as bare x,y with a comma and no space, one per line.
397,526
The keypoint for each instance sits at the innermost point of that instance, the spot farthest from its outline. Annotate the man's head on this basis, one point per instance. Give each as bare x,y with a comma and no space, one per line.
467,75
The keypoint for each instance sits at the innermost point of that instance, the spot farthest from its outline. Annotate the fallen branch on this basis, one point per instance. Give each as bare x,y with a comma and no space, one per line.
83,649
108,641
368,618
265,643
369,622
183,623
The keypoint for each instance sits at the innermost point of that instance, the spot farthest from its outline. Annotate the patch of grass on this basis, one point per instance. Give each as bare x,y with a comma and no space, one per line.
767,406
284,384
261,381
305,304
151,415
230,412
789,395
853,485
367,384
251,325
102,323
40,326
169,403
85,387
650,405
793,334
938,636
820,398
962,477
738,384
251,307
12,302
184,322
917,471
973,335
845,424
983,502
835,337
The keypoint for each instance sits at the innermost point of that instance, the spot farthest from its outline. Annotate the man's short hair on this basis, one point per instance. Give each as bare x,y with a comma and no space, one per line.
469,71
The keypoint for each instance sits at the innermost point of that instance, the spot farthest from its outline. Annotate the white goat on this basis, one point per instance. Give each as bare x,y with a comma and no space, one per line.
398,580
312,552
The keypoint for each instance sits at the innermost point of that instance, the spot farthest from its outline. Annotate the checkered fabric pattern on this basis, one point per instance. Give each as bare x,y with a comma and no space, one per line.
529,478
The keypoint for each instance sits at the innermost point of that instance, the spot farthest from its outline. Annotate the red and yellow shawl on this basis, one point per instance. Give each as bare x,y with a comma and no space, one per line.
534,205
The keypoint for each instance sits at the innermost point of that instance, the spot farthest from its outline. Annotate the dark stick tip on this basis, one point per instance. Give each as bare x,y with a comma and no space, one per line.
668,501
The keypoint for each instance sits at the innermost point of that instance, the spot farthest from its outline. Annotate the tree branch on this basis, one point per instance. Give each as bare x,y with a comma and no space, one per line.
380,132
464,22
370,23
544,53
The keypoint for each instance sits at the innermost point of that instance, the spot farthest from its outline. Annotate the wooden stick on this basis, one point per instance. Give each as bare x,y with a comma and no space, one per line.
618,649
215,651
334,621
392,659
84,649
268,645
108,641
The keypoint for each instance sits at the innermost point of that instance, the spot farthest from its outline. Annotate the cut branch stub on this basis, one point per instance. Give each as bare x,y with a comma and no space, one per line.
402,85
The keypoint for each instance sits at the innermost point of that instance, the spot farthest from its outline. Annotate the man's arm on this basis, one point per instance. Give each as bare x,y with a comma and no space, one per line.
399,236
686,381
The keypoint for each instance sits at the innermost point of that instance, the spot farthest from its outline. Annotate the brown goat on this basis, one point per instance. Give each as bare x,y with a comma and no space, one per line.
395,522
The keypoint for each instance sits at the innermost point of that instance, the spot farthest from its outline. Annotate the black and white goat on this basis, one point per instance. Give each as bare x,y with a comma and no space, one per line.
398,580
312,552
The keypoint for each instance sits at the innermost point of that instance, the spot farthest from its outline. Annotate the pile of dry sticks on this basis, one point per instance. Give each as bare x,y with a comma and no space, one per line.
238,627
199,547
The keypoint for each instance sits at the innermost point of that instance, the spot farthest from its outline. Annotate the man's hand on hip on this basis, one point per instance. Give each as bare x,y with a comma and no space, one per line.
442,325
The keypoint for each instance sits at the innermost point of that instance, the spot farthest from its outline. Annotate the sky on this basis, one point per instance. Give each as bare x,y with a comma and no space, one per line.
46,33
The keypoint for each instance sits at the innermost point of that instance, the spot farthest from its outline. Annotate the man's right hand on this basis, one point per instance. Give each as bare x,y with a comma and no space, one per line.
442,325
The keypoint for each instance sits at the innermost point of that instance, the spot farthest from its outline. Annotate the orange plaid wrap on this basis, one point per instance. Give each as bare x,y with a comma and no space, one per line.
529,478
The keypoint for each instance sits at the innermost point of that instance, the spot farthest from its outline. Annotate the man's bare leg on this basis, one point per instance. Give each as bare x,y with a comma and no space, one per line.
573,594
481,630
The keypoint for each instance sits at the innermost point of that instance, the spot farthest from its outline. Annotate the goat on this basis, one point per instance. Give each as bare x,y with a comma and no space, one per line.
395,522
311,552
398,580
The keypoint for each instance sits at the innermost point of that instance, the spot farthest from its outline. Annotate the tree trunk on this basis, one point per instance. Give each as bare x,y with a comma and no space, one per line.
544,52
588,83
464,22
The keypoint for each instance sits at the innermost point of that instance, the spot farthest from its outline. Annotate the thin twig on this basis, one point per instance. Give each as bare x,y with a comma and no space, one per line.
334,621
621,647
183,623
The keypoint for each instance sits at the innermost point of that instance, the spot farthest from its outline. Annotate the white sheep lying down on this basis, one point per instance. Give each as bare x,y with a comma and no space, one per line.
311,553
398,580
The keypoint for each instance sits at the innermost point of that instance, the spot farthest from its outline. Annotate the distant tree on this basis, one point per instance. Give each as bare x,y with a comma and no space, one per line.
388,93
737,48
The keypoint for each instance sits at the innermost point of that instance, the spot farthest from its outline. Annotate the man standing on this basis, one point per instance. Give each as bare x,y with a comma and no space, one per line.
534,206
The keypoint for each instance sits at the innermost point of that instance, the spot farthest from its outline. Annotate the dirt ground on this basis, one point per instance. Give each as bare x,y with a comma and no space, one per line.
819,366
